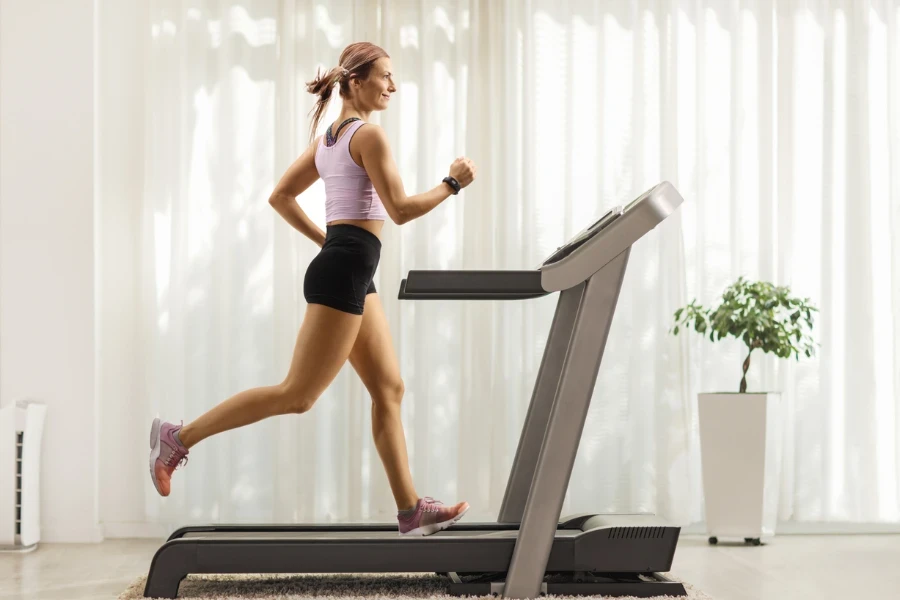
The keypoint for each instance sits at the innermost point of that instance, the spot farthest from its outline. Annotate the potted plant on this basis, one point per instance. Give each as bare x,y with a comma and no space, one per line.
740,433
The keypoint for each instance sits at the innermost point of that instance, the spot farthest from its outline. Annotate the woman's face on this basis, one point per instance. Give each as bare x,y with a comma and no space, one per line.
375,92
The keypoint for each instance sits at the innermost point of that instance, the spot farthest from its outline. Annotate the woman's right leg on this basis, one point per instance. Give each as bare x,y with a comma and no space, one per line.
324,342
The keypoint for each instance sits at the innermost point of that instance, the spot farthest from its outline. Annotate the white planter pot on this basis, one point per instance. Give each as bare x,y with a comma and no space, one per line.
740,449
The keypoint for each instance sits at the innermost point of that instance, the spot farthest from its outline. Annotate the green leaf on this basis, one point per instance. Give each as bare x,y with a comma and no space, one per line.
759,313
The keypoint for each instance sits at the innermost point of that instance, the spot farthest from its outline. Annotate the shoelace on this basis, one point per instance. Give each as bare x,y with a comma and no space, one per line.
172,454
431,505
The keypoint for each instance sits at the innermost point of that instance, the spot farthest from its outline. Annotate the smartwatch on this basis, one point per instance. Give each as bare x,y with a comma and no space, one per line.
452,183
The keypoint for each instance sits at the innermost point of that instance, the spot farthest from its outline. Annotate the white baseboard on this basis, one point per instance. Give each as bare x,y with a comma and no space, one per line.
808,528
85,534
136,530
795,528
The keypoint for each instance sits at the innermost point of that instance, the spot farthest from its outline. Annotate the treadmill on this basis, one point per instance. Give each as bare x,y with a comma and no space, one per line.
531,550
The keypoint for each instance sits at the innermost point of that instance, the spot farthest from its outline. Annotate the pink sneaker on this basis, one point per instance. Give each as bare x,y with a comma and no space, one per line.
166,454
430,517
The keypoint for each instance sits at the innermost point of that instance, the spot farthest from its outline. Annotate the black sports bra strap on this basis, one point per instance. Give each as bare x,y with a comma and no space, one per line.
341,126
331,139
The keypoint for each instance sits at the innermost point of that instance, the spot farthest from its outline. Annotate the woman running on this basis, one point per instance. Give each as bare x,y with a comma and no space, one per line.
344,318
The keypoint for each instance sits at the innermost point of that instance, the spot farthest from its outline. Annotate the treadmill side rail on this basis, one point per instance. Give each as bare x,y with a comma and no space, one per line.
471,285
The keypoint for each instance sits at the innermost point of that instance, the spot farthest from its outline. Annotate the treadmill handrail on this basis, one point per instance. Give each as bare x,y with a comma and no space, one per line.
471,285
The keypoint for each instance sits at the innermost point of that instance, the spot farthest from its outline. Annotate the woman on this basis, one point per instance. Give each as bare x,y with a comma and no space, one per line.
344,318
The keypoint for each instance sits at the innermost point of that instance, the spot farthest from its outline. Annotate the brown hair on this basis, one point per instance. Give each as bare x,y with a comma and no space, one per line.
356,61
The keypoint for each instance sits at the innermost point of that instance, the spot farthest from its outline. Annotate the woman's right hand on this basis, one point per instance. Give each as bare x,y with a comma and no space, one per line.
463,170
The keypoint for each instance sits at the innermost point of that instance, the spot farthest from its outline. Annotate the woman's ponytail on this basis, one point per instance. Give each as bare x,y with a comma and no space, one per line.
322,86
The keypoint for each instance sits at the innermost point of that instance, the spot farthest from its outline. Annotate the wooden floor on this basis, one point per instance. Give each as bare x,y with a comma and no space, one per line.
813,567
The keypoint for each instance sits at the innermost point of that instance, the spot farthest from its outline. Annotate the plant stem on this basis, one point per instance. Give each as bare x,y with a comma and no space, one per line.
746,366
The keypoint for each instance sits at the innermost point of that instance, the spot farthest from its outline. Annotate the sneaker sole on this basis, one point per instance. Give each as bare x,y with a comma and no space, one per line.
434,527
154,452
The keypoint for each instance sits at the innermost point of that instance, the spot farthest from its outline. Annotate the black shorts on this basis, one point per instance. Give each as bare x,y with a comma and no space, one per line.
340,276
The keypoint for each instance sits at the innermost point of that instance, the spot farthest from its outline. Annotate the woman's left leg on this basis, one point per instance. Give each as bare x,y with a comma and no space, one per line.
375,362
374,359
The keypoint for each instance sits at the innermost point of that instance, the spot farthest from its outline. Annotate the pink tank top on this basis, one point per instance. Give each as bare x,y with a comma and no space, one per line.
349,193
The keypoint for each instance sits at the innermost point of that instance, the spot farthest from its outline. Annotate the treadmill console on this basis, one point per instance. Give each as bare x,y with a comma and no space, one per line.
585,234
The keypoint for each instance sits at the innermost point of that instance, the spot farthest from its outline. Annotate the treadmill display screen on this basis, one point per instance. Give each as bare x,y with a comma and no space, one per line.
585,234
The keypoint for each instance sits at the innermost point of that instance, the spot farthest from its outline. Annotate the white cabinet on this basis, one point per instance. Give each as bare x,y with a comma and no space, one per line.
21,430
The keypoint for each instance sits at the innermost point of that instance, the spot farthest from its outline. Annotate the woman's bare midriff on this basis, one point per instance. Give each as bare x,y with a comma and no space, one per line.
372,226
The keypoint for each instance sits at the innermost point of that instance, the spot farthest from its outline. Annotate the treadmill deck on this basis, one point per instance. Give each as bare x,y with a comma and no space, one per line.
358,536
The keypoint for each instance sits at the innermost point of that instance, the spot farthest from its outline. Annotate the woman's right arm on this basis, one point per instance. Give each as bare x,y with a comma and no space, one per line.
382,170
299,176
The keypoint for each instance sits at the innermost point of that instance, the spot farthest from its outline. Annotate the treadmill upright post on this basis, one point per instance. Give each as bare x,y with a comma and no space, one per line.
597,305
522,471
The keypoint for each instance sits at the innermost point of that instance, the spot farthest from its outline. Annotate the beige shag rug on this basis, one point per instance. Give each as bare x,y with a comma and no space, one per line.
393,586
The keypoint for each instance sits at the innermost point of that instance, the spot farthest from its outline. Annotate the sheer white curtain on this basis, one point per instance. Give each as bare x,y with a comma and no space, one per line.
778,123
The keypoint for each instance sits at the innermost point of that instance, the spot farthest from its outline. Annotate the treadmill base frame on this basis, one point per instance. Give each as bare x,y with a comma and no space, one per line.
579,583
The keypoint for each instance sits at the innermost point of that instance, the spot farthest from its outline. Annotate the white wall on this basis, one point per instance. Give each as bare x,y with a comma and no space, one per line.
46,247
122,35
52,270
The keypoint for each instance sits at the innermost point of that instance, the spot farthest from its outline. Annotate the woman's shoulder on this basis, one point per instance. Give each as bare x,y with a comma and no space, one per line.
369,128
370,135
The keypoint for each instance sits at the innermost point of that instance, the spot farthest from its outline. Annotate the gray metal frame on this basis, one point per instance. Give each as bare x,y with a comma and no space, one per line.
562,392
518,486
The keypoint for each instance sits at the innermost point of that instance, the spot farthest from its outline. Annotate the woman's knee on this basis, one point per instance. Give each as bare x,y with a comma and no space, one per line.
389,393
296,399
